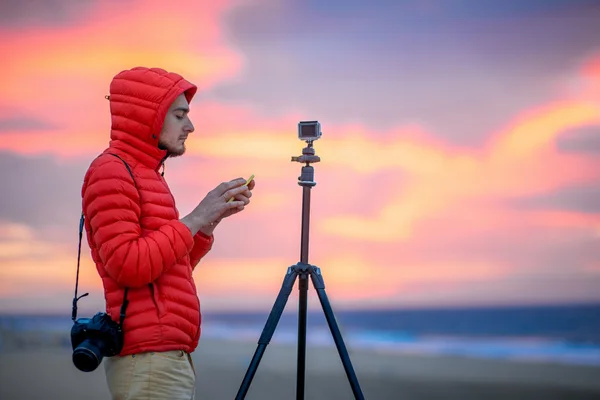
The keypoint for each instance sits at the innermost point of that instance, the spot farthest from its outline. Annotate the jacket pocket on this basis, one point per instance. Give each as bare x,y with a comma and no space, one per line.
154,293
195,293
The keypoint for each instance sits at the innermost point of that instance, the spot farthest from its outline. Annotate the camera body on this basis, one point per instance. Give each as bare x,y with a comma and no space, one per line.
309,130
93,339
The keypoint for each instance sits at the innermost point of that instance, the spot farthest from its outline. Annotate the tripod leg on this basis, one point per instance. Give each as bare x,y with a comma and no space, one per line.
268,330
319,284
302,307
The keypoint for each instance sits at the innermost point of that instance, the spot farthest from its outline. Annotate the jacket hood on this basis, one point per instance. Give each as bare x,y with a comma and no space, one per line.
139,100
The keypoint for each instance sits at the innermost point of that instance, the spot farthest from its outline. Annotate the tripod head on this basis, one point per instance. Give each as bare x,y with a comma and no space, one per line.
308,155
309,131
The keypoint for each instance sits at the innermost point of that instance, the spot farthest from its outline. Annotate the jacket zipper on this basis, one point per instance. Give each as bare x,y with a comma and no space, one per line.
164,181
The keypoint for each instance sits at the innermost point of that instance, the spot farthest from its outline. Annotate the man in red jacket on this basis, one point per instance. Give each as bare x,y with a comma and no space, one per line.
138,240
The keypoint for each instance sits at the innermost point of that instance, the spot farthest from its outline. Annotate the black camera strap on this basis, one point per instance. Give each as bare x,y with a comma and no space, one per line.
76,299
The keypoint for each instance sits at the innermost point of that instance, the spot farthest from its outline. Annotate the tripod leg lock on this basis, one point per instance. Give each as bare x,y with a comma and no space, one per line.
317,278
288,281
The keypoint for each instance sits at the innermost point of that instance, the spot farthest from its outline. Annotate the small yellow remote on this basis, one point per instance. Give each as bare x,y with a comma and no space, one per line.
245,184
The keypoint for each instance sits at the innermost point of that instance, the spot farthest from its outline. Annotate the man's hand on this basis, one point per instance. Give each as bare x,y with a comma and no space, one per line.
214,207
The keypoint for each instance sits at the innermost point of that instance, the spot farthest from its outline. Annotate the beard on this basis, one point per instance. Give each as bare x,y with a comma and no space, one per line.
172,151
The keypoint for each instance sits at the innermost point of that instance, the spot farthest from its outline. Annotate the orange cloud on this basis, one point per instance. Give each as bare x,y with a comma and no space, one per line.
516,163
62,74
534,131
143,33
354,149
233,277
348,277
351,276
28,262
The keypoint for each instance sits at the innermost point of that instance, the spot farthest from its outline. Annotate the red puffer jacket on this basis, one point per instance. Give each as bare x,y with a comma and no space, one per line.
133,227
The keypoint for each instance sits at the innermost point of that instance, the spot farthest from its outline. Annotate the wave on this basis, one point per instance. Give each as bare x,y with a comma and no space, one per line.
522,349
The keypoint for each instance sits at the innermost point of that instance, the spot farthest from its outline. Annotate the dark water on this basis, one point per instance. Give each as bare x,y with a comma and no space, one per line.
562,334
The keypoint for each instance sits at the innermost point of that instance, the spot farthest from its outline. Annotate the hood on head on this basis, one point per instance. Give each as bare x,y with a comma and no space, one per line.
139,100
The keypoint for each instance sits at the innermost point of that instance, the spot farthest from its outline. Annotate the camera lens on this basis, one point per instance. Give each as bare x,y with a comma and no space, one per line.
87,356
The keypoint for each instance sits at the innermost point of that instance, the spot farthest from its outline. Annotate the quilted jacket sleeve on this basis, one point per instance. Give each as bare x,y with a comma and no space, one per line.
130,257
202,245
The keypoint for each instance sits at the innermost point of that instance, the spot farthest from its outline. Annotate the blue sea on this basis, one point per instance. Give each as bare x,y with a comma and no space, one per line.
559,334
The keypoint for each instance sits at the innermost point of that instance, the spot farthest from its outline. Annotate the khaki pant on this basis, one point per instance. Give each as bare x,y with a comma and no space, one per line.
155,375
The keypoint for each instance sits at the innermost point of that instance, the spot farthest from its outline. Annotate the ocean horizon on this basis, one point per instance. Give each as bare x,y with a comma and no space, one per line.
564,334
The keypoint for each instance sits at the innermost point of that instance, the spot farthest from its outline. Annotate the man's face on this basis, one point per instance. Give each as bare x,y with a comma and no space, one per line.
176,128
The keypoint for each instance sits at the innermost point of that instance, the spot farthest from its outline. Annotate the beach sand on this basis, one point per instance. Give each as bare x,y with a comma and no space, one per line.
47,373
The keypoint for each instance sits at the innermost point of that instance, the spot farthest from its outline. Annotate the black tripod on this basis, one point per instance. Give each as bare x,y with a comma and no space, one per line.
303,270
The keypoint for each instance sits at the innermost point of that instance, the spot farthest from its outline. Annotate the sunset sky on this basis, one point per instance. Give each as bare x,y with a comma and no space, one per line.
460,156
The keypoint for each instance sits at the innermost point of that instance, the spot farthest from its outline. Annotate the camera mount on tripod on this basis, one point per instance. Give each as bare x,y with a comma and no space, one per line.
308,131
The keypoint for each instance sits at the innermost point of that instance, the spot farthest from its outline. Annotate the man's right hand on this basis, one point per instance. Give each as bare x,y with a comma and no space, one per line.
214,207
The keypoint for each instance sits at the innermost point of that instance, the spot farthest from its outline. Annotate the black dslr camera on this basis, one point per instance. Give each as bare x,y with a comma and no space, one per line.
93,339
